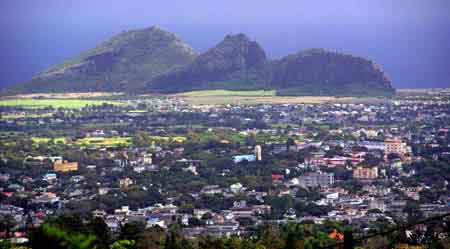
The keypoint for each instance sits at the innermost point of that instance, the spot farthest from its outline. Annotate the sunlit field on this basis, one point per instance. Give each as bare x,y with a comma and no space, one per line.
55,103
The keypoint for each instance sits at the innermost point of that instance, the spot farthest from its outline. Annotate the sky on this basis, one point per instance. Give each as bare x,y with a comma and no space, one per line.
409,39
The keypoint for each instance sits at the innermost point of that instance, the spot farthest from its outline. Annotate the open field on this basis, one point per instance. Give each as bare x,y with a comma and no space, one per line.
103,141
25,115
221,100
55,103
44,140
73,95
224,97
177,139
228,93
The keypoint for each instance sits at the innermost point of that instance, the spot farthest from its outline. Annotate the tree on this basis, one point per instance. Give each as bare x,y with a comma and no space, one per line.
173,239
51,236
131,231
99,228
348,240
123,244
152,238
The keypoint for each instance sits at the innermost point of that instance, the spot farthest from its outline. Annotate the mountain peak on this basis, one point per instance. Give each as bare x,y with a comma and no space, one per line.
237,37
238,48
326,69
157,60
125,61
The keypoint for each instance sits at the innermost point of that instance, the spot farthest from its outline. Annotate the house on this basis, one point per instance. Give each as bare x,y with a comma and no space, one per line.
198,213
113,223
49,177
336,161
372,145
236,188
211,190
335,235
290,214
379,204
277,178
241,158
65,166
125,182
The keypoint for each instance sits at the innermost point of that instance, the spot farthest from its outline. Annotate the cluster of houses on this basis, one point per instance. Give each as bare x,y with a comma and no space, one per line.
372,143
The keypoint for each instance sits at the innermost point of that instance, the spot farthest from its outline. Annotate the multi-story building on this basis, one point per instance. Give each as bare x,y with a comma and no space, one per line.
315,179
362,173
395,145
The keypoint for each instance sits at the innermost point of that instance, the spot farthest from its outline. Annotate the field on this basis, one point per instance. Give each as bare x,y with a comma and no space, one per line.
228,93
55,103
225,97
25,115
177,139
103,141
70,95
44,140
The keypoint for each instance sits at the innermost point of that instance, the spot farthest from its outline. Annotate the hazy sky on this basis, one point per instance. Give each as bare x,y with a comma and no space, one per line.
409,39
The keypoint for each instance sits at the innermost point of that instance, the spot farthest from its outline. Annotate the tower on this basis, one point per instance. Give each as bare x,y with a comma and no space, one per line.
258,152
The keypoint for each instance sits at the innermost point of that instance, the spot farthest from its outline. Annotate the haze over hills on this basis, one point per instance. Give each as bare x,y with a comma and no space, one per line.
154,60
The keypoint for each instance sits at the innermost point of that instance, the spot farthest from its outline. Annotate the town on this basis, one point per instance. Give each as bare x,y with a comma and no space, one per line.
225,170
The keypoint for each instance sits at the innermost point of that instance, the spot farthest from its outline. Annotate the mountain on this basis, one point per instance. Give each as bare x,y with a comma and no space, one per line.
234,63
154,60
237,63
122,63
323,72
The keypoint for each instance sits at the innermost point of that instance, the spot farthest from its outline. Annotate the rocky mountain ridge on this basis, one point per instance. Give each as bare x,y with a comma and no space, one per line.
154,60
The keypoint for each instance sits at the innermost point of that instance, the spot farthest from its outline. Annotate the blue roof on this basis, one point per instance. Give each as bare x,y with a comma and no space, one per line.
240,158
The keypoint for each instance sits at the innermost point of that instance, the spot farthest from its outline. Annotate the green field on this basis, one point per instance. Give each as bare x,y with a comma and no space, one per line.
44,140
104,141
55,103
177,139
225,93
26,115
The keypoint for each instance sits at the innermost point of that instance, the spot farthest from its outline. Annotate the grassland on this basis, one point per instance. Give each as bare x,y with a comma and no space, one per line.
69,95
228,93
104,141
44,140
177,139
25,115
55,103
225,97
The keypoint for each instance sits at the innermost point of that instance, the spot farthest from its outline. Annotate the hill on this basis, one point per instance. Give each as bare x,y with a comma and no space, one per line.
237,63
322,72
154,60
122,63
